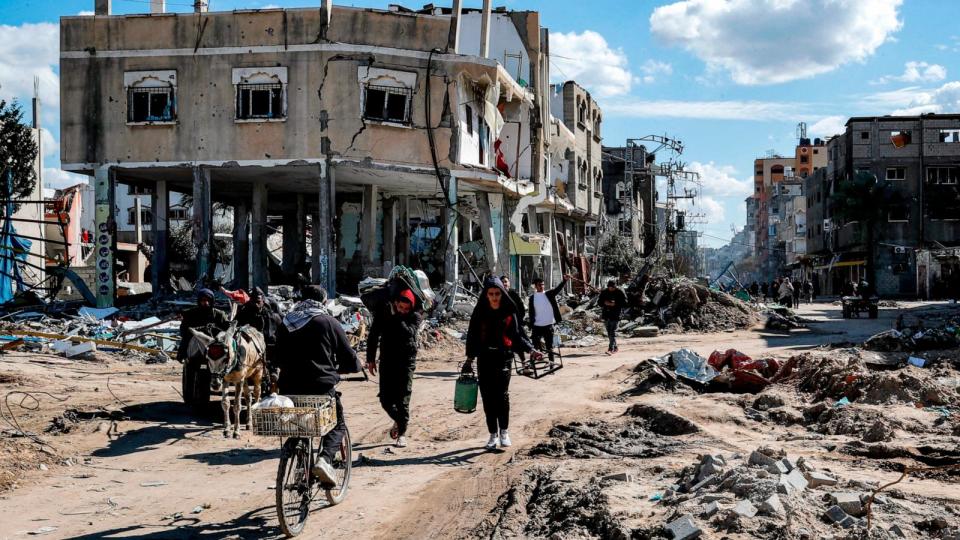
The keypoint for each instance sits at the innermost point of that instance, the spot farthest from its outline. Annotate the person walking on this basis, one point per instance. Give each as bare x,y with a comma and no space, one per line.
521,310
765,289
797,291
313,350
612,300
394,333
544,313
786,292
493,336
808,290
754,290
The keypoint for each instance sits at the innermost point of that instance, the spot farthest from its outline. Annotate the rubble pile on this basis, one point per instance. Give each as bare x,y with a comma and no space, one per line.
914,339
842,376
644,434
783,318
729,371
680,304
771,495
542,504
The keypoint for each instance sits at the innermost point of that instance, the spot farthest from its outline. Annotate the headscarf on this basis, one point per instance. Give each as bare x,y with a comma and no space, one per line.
205,293
301,314
505,301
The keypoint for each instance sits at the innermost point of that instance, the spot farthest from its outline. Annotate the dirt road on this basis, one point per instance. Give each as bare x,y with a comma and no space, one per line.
168,474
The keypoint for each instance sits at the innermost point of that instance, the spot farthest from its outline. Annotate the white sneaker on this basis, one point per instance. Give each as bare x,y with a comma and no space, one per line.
401,442
504,438
324,472
493,441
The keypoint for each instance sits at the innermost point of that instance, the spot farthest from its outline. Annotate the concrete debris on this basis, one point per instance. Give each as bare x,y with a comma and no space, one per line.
915,339
745,509
849,502
816,479
684,528
772,506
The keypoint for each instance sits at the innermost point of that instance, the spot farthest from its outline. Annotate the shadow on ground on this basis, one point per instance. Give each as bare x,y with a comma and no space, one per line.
253,524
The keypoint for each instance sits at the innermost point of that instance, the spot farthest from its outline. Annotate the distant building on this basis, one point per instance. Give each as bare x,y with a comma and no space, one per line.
630,195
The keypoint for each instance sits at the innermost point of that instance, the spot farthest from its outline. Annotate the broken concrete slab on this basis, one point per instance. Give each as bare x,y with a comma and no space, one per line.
897,531
619,477
789,463
761,459
684,528
745,508
777,467
835,514
706,482
710,509
815,479
773,507
848,501
796,480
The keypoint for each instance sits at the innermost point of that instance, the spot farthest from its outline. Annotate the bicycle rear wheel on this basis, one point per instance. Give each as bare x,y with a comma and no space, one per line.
293,488
342,464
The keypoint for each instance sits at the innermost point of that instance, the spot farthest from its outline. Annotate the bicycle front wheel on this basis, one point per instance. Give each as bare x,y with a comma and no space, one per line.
293,487
342,464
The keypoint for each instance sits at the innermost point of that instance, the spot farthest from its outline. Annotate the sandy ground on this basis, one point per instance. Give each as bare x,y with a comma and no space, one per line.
163,463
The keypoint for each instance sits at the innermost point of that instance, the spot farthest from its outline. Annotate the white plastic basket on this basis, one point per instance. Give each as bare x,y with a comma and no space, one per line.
311,416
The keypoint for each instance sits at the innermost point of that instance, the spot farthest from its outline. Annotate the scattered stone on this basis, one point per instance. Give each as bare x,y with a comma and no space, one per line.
778,467
684,528
897,531
708,481
745,508
797,480
804,534
619,477
815,479
880,431
773,507
789,463
835,514
42,467
848,502
710,497
710,509
760,459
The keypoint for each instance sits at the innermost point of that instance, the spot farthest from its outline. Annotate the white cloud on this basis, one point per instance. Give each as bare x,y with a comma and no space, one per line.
711,210
775,41
712,110
914,72
651,69
945,99
28,51
828,126
48,144
57,178
589,60
719,180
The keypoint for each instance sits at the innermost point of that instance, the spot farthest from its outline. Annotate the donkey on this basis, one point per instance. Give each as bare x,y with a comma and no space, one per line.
237,356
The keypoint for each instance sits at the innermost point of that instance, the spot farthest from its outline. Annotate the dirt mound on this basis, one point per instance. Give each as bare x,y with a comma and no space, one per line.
640,436
540,505
846,376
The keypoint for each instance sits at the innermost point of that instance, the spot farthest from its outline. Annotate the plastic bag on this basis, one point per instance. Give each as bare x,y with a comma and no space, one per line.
273,401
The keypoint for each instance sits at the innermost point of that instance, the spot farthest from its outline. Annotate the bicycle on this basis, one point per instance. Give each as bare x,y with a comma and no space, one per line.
311,418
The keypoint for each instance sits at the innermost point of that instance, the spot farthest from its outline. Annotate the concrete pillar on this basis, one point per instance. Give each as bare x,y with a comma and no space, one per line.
403,231
453,41
241,246
294,225
490,234
160,203
258,229
316,269
451,257
326,10
389,233
202,221
368,225
158,6
102,7
105,235
485,30
324,247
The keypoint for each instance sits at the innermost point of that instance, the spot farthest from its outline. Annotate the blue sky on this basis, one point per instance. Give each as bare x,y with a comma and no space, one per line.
730,78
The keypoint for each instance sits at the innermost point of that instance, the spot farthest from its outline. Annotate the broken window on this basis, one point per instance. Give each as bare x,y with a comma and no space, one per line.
901,138
898,214
865,135
146,216
178,214
387,103
137,190
950,135
260,101
804,158
943,175
469,120
896,173
152,104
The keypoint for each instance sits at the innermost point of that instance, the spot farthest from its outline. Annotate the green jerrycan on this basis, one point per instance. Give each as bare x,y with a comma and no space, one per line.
465,395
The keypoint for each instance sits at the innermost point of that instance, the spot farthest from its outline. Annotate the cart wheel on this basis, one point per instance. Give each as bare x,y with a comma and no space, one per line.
195,385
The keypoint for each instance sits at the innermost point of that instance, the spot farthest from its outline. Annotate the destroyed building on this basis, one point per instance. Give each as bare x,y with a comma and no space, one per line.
630,195
372,137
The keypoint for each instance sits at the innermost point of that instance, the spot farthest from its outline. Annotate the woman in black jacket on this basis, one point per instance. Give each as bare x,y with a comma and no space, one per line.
492,338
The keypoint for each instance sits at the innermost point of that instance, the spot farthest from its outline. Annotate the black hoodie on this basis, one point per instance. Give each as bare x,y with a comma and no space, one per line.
495,328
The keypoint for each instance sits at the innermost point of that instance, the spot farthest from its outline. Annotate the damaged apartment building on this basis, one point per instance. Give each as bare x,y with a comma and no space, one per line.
361,138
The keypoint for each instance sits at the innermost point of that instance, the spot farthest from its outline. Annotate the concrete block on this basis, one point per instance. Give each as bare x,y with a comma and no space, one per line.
684,528
797,480
710,509
815,479
897,531
710,497
835,514
773,507
745,508
777,467
849,502
784,487
760,459
789,463
706,482
80,348
619,477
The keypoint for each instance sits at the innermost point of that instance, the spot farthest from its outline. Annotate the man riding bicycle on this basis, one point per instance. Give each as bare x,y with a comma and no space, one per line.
312,352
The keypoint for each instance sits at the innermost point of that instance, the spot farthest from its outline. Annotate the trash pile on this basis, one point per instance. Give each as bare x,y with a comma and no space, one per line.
771,495
729,371
914,339
783,319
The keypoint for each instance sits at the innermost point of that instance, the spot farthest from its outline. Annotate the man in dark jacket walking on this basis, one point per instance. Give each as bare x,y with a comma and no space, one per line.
313,350
612,300
394,333
544,313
